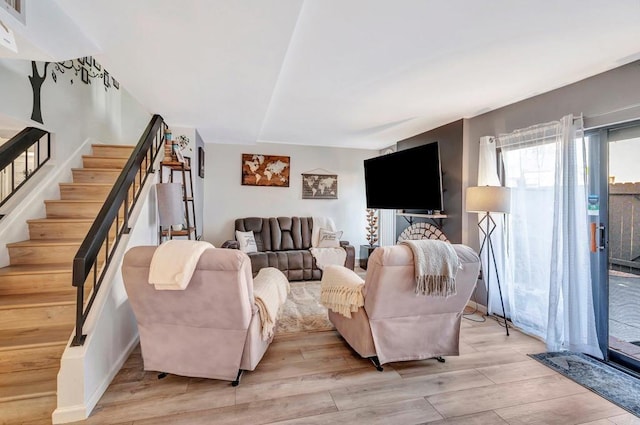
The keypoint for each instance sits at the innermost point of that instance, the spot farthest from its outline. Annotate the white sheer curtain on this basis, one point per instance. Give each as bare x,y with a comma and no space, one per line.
548,275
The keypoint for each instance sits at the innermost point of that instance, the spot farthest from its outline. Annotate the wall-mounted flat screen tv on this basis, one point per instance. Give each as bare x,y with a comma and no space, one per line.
410,179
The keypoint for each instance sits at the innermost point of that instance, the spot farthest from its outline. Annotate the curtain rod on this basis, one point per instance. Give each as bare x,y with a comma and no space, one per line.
535,128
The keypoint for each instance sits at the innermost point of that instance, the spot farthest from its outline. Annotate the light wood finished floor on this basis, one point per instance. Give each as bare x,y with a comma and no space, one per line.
314,378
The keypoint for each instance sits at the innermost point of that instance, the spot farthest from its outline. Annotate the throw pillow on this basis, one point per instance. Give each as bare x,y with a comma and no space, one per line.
247,241
329,239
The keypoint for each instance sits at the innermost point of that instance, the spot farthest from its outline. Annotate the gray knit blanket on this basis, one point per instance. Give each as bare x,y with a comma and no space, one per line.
436,265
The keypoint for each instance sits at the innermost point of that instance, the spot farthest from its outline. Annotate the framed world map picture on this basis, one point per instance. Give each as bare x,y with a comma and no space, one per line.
319,186
265,170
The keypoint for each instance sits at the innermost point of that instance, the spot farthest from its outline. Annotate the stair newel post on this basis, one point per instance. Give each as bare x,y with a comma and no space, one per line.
79,338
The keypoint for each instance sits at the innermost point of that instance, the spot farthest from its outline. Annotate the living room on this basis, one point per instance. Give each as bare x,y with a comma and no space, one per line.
116,116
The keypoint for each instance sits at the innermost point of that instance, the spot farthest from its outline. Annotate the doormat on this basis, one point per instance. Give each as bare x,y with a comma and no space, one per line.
616,386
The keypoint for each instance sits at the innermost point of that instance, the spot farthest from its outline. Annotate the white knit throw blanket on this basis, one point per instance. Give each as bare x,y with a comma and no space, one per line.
341,290
436,266
174,262
270,290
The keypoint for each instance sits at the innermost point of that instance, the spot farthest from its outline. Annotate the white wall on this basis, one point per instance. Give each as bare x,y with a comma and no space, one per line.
72,112
77,115
226,199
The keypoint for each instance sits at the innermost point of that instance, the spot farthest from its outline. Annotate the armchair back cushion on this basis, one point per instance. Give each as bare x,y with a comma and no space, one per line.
395,323
208,330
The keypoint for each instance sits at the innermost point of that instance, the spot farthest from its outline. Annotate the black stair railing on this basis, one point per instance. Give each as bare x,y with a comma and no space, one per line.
95,253
20,157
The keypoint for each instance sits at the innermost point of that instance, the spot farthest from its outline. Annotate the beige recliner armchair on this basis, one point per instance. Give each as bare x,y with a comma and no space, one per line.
395,324
212,329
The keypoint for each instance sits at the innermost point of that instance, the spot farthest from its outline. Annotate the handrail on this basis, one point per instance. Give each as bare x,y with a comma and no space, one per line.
113,220
18,146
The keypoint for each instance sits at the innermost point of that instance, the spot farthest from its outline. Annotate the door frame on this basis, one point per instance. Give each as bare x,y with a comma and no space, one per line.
599,180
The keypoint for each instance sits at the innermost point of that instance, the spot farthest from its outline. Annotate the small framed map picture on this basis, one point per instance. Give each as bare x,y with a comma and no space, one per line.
265,170
319,186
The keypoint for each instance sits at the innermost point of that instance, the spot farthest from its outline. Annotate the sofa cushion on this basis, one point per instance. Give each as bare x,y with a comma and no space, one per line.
329,239
247,241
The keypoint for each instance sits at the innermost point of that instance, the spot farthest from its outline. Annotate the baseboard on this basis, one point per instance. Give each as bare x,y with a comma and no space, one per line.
477,307
69,414
81,412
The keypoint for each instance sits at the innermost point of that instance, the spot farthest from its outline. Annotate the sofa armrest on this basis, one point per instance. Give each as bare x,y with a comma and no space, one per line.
350,261
231,244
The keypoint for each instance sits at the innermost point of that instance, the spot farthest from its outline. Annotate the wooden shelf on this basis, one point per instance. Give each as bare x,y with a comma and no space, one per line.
175,165
183,232
183,171
422,215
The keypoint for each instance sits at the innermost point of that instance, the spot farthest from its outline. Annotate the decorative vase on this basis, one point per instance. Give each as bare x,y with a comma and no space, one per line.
372,226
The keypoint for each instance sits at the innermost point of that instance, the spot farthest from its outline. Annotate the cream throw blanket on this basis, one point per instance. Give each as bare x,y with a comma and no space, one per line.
436,266
341,290
270,290
174,262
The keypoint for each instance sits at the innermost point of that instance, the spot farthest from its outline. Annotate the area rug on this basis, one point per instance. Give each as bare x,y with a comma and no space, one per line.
302,312
616,386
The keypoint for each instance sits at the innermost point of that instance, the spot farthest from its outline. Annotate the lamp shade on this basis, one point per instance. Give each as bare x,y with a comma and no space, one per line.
170,204
496,199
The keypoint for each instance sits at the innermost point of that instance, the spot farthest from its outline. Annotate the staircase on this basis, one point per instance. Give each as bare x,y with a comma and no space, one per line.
37,300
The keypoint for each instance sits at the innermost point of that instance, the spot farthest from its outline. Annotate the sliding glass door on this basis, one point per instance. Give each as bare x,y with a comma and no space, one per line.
614,212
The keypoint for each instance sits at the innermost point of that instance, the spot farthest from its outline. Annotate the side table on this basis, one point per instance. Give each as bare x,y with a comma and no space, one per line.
365,252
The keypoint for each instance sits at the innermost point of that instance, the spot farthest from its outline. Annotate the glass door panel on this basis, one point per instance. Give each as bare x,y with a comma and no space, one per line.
624,241
614,213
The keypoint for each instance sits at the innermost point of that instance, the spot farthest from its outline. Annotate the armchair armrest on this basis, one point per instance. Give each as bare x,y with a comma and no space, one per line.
231,244
341,290
344,243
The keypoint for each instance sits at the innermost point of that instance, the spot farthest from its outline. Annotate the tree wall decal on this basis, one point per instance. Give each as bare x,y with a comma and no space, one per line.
36,81
86,67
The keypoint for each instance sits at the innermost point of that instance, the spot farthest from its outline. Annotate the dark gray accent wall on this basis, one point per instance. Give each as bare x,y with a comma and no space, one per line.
607,98
450,138
604,99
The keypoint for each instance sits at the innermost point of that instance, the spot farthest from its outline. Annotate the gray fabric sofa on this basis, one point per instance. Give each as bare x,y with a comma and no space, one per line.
284,242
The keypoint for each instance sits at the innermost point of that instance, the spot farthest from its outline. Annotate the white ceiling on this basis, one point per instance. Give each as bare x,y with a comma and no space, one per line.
350,73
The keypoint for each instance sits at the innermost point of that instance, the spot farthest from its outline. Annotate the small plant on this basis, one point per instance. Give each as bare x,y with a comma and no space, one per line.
372,226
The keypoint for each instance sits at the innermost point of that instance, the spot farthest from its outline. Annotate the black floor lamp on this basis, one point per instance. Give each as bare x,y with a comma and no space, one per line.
489,200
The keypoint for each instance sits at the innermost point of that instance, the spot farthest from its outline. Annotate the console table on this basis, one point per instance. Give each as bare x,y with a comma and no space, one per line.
365,252
435,218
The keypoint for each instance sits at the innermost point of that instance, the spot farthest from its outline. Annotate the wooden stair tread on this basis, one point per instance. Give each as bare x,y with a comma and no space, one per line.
107,145
116,170
36,300
22,269
61,220
87,184
74,201
107,157
45,242
14,339
28,383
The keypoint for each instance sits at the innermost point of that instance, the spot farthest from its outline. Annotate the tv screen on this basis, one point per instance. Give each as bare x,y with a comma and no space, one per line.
410,179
